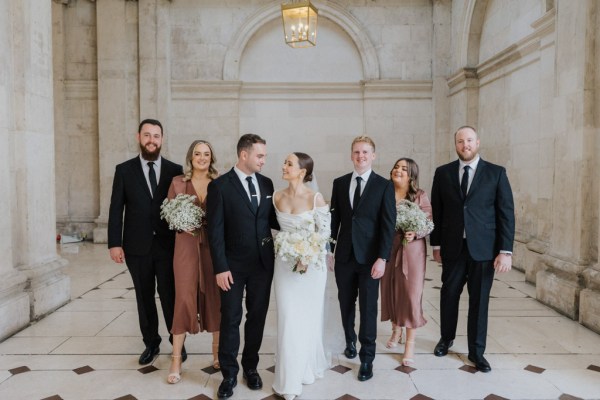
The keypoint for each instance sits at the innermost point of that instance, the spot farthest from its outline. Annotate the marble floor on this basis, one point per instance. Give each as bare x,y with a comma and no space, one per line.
89,348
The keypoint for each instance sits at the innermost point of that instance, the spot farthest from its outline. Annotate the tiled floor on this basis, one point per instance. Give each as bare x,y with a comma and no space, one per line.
88,349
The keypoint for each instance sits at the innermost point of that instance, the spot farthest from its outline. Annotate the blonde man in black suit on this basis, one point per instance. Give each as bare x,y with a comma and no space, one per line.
363,218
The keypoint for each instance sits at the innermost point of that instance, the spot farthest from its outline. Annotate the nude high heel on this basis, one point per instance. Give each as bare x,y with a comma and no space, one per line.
175,377
408,361
395,338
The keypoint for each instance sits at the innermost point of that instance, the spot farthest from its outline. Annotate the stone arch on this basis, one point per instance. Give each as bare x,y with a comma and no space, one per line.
473,19
331,11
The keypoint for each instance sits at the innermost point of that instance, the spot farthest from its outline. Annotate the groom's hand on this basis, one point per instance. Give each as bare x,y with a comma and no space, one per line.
224,280
378,269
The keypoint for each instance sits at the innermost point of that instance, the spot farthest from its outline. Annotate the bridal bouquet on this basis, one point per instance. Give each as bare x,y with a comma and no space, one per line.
182,213
303,246
410,218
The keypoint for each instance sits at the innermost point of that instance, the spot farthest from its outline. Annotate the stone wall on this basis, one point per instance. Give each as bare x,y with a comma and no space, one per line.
525,78
407,72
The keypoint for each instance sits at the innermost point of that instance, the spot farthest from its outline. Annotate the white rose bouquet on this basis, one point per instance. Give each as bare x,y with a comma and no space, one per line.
410,218
303,246
182,213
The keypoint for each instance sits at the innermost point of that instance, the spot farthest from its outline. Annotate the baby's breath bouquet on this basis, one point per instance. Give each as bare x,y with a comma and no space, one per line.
182,213
303,246
410,218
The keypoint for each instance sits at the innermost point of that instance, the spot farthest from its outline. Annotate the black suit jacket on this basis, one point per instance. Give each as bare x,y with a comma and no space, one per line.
236,234
369,228
134,231
486,215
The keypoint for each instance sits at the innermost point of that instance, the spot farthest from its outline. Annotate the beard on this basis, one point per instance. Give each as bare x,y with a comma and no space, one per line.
150,155
467,158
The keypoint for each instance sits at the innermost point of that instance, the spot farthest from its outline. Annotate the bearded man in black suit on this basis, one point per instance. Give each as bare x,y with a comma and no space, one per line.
137,235
474,219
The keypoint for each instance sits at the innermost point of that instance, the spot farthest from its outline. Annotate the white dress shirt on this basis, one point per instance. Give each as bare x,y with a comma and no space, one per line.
364,177
146,170
243,177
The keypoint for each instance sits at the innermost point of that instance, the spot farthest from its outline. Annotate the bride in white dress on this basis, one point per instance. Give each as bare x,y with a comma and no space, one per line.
300,294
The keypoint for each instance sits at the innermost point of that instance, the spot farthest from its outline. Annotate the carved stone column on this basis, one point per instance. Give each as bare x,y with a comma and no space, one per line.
31,279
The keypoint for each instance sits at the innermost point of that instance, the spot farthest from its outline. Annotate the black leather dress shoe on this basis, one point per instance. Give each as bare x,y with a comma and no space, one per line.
183,354
148,355
350,351
441,348
226,388
480,363
365,372
253,379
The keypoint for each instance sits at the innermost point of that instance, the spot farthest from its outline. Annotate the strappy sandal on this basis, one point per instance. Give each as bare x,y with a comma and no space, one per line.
396,337
175,377
408,361
215,350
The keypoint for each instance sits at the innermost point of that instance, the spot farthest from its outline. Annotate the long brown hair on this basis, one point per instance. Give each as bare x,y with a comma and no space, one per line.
212,171
413,177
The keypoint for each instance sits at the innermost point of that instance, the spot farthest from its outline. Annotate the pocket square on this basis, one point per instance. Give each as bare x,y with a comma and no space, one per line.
268,197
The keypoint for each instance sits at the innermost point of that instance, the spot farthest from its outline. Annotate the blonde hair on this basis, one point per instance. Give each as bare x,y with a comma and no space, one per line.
212,171
363,139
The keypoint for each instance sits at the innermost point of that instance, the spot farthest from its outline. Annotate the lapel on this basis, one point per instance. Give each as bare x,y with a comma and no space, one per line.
235,181
139,174
262,189
346,189
454,180
477,176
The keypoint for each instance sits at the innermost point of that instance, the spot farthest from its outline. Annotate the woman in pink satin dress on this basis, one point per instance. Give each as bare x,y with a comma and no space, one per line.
404,278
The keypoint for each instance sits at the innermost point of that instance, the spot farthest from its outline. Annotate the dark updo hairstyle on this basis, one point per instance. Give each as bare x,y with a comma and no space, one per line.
305,162
413,177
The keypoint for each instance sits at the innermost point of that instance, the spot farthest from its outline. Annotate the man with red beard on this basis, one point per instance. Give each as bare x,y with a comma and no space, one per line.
138,236
474,219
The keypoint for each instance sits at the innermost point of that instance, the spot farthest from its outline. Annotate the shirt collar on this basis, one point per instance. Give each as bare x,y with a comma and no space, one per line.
242,175
472,164
364,176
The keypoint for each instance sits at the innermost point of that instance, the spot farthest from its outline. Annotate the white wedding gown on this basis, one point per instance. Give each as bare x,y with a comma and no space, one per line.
300,356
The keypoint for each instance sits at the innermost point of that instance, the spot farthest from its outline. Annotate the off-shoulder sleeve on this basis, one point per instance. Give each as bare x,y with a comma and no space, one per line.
323,220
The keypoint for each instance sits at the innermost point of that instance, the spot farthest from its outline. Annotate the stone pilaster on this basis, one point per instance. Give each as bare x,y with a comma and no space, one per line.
442,47
560,280
31,162
118,105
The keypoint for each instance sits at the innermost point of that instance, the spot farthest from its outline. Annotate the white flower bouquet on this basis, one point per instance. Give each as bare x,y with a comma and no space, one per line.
410,218
303,247
182,213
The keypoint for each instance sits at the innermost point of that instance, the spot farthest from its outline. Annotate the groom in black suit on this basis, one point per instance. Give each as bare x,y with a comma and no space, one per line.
240,216
474,219
140,237
363,218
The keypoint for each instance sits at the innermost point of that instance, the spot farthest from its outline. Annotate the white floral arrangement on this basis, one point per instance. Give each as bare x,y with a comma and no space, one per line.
182,213
410,218
303,246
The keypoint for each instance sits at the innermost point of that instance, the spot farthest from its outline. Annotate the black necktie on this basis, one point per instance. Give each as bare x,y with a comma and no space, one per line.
152,178
356,193
464,182
253,196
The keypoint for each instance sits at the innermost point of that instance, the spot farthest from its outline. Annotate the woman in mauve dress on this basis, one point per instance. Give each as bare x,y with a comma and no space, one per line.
404,278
